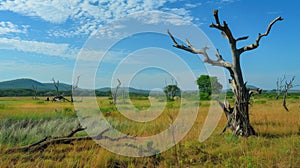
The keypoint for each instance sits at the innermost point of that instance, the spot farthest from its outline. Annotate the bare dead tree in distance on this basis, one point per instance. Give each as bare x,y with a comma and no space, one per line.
114,94
74,86
35,89
279,84
287,87
56,85
238,119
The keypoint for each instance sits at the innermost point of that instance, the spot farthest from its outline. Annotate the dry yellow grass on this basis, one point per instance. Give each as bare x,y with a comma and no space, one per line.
277,143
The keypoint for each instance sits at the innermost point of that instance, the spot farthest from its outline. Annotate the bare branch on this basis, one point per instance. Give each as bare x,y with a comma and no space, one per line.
219,56
190,48
47,141
242,38
254,91
226,32
256,44
78,129
75,84
216,15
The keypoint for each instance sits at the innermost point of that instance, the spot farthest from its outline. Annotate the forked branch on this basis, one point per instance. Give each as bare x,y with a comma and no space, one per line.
226,32
190,48
256,43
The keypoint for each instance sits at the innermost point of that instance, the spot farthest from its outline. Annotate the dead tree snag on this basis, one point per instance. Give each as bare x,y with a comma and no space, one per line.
56,85
35,89
73,87
287,87
279,84
238,118
115,93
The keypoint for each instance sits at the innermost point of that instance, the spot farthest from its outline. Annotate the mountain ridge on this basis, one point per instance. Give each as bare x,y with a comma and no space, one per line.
27,83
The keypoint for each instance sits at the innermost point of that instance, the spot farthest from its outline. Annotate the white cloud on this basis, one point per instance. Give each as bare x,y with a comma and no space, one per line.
185,14
87,15
8,27
55,11
192,5
161,18
98,55
61,50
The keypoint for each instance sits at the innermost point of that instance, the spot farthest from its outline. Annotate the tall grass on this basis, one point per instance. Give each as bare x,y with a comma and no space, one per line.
277,143
27,131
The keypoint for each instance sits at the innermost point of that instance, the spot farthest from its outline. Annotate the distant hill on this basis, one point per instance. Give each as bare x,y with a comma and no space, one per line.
122,89
26,83
29,83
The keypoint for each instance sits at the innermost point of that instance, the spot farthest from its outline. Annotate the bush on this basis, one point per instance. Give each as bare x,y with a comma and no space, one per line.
204,96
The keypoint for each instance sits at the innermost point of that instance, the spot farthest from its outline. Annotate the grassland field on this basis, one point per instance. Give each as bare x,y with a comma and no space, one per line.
25,121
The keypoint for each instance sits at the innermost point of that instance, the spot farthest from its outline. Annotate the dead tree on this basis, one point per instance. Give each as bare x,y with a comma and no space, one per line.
56,85
279,84
238,117
114,93
73,87
287,87
59,98
35,88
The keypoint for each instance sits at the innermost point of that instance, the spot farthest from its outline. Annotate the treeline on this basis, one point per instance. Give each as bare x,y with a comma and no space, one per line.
47,93
50,93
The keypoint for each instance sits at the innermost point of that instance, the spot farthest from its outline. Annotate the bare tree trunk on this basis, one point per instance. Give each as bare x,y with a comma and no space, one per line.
241,112
279,85
287,87
74,86
56,85
115,93
238,117
35,88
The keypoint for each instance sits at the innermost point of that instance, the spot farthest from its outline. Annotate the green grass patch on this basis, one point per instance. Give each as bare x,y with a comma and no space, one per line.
2,106
260,101
27,131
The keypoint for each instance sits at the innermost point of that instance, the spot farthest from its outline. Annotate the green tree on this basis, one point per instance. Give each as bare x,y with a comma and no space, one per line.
171,91
208,85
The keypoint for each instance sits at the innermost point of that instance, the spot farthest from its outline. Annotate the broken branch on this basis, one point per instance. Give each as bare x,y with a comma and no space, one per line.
256,43
47,141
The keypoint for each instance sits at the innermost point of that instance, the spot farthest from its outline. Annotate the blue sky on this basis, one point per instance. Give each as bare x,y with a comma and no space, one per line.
43,39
